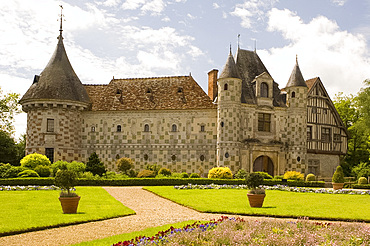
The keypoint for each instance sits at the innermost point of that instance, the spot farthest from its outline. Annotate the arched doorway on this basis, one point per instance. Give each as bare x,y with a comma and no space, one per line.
263,164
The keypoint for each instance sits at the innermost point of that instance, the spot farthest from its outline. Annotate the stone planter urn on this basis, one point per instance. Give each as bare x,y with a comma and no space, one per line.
69,204
337,186
256,200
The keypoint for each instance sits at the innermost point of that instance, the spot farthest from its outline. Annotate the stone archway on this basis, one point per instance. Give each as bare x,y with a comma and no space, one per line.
264,164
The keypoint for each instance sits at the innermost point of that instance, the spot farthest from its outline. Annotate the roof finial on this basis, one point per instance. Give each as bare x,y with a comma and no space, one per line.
230,49
238,41
61,20
255,45
296,58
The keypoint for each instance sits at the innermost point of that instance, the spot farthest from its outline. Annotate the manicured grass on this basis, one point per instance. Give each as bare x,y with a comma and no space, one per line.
128,236
30,210
277,203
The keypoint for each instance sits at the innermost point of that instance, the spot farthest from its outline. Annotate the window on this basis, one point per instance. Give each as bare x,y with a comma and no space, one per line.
93,129
146,157
314,110
337,138
309,133
50,125
222,124
179,90
146,128
227,155
174,128
225,87
202,128
119,128
293,94
264,122
173,157
202,158
49,152
325,135
264,90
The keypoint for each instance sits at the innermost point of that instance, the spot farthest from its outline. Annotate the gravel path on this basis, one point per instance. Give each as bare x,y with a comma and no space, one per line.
150,209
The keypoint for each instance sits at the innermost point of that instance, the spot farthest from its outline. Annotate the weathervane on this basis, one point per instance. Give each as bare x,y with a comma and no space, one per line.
238,40
61,19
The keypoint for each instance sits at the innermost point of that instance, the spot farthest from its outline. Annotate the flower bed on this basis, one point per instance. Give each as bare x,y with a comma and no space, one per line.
275,187
237,231
28,187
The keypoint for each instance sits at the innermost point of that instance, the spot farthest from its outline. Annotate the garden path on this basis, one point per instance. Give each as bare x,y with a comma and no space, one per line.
151,210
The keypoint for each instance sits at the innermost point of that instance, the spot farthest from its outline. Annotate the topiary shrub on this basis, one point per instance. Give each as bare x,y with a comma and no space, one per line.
264,175
28,173
124,164
13,172
95,166
220,173
43,171
184,175
33,160
65,180
164,171
146,174
253,181
241,174
293,175
310,177
338,176
362,180
58,165
194,176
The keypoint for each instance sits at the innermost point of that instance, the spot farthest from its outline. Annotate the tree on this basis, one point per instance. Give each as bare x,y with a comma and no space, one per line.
9,107
124,164
8,149
95,166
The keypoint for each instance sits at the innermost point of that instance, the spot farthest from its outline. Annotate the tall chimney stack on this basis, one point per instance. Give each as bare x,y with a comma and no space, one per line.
212,84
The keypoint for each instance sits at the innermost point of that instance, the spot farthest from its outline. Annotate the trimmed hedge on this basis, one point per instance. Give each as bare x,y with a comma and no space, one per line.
154,182
361,186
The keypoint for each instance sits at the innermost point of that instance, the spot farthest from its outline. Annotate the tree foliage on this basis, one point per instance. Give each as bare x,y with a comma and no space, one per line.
124,164
9,107
33,160
95,165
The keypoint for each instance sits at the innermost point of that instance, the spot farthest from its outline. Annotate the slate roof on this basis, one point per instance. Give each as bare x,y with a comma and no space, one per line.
230,70
58,81
296,77
181,92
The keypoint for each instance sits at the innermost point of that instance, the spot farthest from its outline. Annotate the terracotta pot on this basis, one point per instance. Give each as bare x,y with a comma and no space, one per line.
256,200
337,186
69,204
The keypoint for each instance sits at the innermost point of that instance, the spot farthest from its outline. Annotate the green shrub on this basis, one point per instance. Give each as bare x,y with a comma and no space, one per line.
33,160
43,171
338,176
66,180
362,170
220,173
146,174
77,167
184,175
241,174
28,173
164,171
13,171
124,164
293,175
132,173
279,177
95,166
3,169
58,165
364,173
310,177
89,176
153,167
264,175
194,176
362,180
110,175
253,180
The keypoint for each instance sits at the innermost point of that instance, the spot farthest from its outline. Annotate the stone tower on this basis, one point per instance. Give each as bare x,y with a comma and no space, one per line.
53,104
228,116
296,89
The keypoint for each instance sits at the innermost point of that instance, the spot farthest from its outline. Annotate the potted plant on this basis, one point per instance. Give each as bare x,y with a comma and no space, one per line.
256,195
65,180
338,178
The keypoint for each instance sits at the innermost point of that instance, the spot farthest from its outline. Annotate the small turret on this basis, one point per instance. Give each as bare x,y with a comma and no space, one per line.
296,77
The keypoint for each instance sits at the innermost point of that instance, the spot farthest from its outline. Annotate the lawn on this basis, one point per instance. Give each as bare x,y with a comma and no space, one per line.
30,210
277,203
149,232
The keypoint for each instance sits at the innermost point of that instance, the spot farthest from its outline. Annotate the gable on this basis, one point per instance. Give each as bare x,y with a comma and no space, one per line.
180,92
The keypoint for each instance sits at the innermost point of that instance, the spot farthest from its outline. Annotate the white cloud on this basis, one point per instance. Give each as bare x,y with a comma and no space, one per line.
338,57
339,2
153,6
215,6
252,10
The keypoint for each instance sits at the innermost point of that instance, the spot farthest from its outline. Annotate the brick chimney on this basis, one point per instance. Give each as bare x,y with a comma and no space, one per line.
212,84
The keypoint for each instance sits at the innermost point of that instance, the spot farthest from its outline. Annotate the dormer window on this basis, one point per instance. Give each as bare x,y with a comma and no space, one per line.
146,128
264,89
226,87
174,128
119,128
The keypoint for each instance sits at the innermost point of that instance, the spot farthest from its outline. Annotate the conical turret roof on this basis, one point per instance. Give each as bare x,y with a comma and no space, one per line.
230,70
296,78
58,81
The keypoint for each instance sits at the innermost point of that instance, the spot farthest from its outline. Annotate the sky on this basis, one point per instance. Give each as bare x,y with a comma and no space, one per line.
154,38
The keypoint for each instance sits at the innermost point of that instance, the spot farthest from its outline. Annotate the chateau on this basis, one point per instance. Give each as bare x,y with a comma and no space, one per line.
245,121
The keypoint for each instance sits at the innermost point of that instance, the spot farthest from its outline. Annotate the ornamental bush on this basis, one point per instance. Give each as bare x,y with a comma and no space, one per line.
43,171
146,174
362,180
293,175
184,175
220,173
124,164
33,160
28,173
194,176
241,174
3,169
13,171
164,171
310,177
265,175
338,176
95,166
